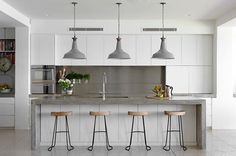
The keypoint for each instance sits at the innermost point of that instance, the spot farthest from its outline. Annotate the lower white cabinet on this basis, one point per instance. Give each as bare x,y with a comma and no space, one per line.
7,112
189,79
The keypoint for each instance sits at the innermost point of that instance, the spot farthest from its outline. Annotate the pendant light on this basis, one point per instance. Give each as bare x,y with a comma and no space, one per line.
119,53
74,53
163,53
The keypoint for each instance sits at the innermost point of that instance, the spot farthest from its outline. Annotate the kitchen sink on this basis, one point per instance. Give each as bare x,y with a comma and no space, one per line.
111,96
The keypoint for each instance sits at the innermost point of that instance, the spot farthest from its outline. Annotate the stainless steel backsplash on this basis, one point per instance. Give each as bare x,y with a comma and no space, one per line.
125,80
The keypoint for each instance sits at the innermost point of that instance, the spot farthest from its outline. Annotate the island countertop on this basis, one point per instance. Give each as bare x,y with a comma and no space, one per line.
66,99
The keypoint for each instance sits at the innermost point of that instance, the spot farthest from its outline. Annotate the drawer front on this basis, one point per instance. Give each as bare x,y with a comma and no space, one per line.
7,100
7,121
6,109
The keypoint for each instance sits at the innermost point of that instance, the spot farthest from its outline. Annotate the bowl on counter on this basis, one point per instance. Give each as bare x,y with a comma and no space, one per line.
8,90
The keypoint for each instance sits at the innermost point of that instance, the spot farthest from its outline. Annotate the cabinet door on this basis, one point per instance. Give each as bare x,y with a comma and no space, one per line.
128,43
42,49
63,45
47,49
204,49
200,79
109,46
144,46
173,44
178,77
35,49
189,50
94,50
156,42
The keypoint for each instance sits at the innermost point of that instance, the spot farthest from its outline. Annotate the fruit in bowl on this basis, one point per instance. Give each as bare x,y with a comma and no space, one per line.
4,88
158,90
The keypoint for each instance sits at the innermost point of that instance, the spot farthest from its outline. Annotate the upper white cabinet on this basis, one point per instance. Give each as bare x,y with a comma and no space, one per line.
197,49
128,43
189,50
64,45
144,50
204,49
42,49
94,50
173,44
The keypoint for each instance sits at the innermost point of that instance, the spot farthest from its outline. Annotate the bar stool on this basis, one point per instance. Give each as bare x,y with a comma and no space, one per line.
179,114
104,114
55,131
141,114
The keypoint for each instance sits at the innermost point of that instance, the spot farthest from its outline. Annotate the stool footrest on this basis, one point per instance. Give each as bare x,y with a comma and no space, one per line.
99,131
62,131
137,132
173,131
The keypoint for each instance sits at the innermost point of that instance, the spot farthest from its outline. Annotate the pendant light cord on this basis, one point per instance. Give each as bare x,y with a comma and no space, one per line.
163,26
118,19
74,3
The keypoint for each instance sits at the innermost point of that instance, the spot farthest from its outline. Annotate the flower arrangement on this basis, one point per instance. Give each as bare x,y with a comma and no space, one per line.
158,91
65,84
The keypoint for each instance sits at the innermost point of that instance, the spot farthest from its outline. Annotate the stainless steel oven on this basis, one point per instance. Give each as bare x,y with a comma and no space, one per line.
43,79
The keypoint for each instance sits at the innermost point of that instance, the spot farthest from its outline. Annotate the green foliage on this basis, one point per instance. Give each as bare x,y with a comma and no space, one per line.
86,77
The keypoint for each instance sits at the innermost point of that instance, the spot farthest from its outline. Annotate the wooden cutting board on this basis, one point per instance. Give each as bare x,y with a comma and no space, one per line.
157,98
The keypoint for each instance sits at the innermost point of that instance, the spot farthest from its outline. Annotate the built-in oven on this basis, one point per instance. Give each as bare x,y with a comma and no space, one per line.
43,79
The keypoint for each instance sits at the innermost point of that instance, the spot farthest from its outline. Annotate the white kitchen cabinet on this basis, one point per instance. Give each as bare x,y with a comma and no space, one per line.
189,50
208,112
94,50
64,45
204,49
200,79
144,53
7,112
173,44
42,49
128,43
156,42
189,79
178,77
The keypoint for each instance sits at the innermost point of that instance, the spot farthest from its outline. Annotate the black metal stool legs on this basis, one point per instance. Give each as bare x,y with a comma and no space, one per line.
90,148
131,135
68,142
144,134
181,133
168,134
108,146
67,131
54,137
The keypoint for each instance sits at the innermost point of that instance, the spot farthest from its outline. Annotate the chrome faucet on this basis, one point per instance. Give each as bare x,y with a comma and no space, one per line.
104,81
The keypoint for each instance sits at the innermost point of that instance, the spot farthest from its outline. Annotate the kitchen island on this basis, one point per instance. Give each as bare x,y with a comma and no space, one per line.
119,123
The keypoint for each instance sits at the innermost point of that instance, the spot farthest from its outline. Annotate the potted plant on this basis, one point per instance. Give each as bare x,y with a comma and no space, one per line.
73,76
86,78
66,86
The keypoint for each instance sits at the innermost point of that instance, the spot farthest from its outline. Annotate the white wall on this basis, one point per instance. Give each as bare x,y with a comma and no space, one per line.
224,105
127,26
22,79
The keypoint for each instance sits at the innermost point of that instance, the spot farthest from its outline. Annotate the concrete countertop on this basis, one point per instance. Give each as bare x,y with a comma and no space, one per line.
67,99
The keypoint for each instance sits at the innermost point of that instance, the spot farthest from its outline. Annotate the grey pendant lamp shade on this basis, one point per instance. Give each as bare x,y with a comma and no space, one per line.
119,53
163,53
74,53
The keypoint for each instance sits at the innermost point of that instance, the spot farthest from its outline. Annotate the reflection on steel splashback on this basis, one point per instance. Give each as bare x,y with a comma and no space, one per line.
43,79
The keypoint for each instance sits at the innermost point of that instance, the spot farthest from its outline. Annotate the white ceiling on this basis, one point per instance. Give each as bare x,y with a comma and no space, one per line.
6,21
131,9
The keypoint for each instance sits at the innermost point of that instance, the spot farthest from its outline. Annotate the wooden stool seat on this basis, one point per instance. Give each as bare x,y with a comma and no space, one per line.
137,113
99,113
61,113
175,113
